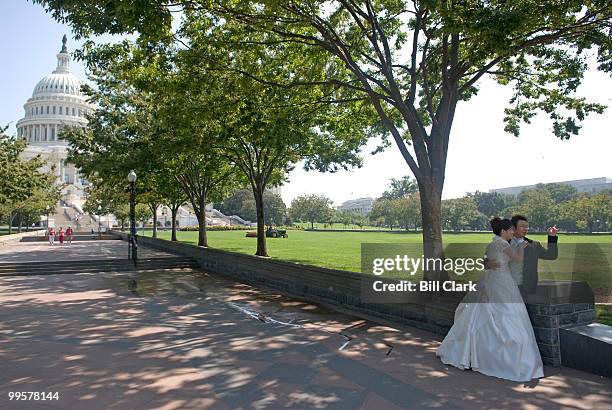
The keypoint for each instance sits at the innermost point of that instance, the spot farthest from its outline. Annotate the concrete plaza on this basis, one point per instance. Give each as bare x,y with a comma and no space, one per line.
186,339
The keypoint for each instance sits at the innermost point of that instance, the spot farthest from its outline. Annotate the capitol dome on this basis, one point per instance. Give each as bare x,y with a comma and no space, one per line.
57,101
58,82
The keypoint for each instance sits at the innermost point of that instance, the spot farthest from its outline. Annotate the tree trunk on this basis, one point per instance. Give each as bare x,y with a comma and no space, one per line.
11,217
202,238
153,207
201,215
174,211
431,207
261,234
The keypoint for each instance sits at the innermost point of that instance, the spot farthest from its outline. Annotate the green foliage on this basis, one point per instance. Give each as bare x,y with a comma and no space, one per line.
218,228
400,188
142,213
384,213
408,211
588,212
492,204
242,203
460,213
346,218
604,314
122,213
311,208
104,198
233,203
25,190
538,205
401,65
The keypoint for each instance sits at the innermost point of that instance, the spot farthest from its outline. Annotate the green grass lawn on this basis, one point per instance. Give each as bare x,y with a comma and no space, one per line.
581,257
604,314
318,225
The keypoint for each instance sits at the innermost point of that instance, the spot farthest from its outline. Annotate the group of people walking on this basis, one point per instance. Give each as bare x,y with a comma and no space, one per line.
61,234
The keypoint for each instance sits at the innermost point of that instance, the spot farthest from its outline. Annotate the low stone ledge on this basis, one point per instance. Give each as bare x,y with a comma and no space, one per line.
322,285
556,304
562,292
16,237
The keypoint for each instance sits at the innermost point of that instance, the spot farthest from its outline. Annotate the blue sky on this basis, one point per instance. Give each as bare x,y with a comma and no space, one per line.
481,155
30,41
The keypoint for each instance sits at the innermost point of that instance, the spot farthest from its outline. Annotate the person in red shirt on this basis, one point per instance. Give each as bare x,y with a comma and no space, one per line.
61,235
69,235
51,236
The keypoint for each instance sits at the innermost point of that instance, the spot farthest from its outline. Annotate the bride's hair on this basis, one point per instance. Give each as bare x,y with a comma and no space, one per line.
499,224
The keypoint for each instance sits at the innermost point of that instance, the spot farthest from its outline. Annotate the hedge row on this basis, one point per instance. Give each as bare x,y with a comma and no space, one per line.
219,228
234,228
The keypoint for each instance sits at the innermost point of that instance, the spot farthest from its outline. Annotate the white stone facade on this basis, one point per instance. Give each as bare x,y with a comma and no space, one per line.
362,206
57,102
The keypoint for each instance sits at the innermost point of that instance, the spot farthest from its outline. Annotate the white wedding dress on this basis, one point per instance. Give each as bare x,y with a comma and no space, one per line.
492,333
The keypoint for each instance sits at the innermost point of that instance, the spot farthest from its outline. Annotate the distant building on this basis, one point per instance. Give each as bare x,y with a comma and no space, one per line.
362,206
590,186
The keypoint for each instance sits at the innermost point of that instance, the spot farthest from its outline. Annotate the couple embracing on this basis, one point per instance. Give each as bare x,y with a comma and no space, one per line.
492,333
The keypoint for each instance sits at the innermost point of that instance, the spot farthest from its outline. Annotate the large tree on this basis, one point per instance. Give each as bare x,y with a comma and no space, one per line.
311,208
459,213
263,130
400,188
492,204
414,60
25,190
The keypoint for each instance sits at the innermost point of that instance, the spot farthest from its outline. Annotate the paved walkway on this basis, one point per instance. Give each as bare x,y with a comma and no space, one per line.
81,250
190,340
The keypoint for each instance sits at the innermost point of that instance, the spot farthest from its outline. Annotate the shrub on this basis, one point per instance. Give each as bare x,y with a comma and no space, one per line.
218,228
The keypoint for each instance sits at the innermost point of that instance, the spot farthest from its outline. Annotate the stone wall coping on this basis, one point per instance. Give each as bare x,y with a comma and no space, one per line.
17,236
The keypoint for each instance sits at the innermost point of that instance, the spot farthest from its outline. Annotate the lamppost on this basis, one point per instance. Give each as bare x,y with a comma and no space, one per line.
133,246
99,222
48,208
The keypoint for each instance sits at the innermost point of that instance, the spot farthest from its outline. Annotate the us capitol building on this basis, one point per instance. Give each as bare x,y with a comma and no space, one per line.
57,102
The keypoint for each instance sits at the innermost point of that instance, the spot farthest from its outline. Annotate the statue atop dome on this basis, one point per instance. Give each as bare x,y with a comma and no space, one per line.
64,41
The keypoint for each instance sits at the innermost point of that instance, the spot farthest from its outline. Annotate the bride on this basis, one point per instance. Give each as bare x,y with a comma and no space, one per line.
492,333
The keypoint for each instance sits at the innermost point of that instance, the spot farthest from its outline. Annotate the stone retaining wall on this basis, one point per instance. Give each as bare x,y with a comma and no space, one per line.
16,237
556,304
327,286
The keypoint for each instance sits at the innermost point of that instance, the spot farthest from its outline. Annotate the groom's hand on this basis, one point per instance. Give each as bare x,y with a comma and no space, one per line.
552,231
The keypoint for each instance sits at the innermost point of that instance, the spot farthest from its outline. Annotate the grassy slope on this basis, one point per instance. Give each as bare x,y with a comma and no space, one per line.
342,250
581,257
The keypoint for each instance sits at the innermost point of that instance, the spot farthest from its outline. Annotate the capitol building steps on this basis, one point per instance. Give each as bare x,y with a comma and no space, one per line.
95,266
65,216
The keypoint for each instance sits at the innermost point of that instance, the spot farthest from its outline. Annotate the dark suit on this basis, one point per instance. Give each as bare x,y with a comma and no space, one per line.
533,252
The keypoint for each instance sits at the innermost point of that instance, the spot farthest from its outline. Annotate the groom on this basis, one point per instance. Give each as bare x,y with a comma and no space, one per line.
525,273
